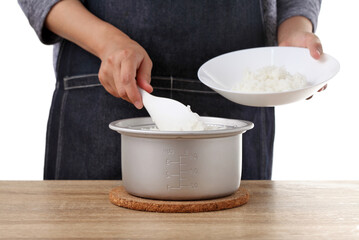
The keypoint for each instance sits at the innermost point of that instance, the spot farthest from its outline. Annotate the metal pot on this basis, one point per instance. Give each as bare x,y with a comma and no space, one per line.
181,165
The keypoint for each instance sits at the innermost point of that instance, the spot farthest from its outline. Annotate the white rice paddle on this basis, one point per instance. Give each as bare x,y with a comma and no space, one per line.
171,115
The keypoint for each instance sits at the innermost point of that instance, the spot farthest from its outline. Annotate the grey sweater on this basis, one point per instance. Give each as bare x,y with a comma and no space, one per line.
274,13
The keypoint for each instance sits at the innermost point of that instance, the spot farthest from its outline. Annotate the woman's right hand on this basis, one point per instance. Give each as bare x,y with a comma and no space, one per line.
125,64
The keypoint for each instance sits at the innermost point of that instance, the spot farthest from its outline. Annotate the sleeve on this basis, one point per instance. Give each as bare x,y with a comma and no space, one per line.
36,11
306,8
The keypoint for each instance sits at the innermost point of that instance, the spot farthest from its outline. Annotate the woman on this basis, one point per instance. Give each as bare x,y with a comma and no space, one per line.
104,49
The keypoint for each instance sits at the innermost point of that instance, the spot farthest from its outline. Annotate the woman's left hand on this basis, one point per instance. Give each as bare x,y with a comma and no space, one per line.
298,32
304,39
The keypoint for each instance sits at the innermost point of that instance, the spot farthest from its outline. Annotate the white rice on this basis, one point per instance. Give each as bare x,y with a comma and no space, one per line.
270,79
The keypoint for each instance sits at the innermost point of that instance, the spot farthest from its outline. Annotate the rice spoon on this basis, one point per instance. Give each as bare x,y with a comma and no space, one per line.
171,115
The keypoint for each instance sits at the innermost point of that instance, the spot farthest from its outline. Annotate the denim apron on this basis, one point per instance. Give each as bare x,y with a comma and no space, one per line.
179,36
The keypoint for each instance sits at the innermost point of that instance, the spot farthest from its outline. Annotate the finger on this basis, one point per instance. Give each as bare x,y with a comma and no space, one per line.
123,95
323,88
309,97
111,90
128,82
106,80
144,75
117,82
315,47
119,88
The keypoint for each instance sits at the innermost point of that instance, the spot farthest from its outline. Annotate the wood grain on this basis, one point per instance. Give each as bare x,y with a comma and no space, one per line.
82,210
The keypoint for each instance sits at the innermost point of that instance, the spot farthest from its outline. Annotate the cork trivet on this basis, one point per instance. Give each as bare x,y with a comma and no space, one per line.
120,197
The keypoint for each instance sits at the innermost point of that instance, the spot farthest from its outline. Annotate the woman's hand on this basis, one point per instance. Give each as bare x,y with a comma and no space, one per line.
298,32
125,64
304,39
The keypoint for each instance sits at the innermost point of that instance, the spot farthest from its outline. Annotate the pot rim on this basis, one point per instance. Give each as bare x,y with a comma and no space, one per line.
141,127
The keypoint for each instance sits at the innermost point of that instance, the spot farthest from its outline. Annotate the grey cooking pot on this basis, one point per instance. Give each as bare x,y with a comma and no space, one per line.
174,165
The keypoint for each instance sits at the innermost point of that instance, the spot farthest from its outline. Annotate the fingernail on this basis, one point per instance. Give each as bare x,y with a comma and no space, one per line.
138,104
319,52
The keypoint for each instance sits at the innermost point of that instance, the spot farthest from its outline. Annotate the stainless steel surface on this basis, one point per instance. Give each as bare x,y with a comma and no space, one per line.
181,165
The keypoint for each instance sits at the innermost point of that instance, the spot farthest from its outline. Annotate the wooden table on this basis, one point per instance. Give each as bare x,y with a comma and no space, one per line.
276,210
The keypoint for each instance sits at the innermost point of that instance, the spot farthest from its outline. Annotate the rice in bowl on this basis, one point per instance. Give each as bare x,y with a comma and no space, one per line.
270,79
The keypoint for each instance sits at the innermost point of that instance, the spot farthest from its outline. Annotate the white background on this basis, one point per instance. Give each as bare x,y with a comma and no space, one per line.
315,139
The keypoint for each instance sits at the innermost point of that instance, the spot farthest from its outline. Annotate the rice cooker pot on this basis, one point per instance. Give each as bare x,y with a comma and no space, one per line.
181,165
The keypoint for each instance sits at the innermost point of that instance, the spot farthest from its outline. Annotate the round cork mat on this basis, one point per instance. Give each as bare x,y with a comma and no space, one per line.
120,197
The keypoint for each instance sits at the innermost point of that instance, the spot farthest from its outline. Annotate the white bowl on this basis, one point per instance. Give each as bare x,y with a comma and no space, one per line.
222,73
